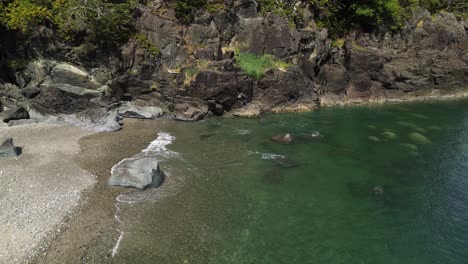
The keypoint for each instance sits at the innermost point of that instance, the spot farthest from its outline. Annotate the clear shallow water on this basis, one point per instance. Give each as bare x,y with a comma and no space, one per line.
227,200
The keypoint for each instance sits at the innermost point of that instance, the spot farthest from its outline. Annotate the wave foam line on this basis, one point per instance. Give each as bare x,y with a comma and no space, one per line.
117,245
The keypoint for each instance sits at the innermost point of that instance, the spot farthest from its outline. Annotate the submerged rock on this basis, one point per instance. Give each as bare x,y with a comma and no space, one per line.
374,139
284,162
8,149
205,136
388,135
419,138
138,172
273,177
283,138
409,146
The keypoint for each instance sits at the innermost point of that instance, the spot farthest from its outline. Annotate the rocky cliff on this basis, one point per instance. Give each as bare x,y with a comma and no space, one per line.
197,70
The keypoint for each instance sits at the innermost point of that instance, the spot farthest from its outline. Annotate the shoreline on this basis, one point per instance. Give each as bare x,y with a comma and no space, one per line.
93,226
434,96
70,241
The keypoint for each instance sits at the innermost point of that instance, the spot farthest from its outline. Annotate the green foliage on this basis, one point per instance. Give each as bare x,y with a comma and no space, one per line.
24,15
185,9
256,66
283,8
338,42
215,7
379,12
102,23
147,44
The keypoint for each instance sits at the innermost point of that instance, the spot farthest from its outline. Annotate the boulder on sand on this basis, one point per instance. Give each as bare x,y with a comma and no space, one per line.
8,149
138,171
14,114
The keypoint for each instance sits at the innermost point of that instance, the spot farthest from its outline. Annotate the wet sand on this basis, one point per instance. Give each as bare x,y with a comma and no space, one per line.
93,227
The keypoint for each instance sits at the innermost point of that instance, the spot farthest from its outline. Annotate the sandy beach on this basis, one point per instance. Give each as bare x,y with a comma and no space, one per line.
90,234
40,188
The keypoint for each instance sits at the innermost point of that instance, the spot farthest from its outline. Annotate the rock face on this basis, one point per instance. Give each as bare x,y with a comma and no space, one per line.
198,72
138,172
8,148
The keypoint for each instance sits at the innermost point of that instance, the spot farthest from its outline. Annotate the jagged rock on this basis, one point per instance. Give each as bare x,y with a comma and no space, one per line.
61,102
14,114
138,172
8,148
246,8
30,92
190,109
251,110
135,111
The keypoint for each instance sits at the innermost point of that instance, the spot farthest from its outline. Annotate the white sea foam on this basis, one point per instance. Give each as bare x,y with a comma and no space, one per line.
160,143
243,132
117,245
271,156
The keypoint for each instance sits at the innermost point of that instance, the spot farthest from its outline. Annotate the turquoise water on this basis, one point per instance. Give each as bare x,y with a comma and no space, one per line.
228,200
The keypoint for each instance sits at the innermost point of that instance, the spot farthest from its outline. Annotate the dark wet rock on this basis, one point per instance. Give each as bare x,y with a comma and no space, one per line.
21,122
30,92
62,102
378,190
14,114
283,138
138,172
8,149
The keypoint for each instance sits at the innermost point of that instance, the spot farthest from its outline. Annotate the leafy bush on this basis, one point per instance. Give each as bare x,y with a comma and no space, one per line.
256,66
95,21
147,44
24,15
185,9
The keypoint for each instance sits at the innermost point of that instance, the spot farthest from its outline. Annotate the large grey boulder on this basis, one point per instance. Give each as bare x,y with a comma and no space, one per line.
96,119
131,110
14,114
8,149
139,171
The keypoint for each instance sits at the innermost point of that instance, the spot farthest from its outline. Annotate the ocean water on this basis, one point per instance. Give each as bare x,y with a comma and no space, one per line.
386,184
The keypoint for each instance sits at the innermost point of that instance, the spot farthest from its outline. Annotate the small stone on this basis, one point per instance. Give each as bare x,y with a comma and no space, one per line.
8,149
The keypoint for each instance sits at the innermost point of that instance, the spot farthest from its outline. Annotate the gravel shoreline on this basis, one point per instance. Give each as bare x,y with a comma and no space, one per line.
40,188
